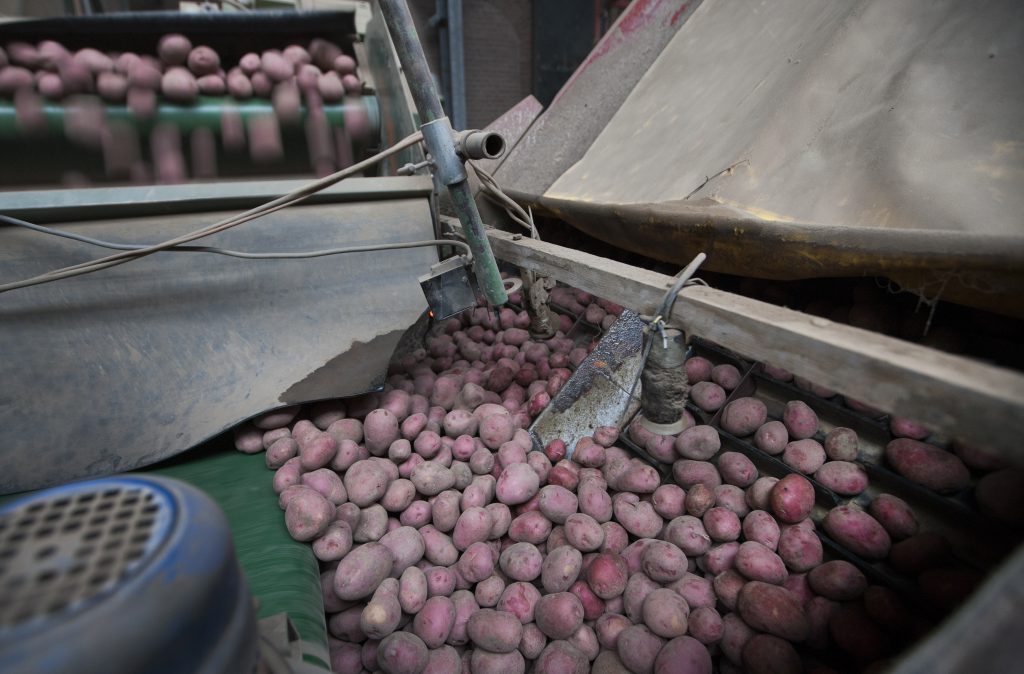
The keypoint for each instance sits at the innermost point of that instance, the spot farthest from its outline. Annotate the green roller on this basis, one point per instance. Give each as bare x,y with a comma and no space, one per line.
205,113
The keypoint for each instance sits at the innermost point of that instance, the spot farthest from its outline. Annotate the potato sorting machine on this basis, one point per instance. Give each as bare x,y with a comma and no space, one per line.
295,424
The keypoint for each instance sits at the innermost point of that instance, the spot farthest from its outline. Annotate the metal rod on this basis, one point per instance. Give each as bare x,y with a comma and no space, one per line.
457,64
424,94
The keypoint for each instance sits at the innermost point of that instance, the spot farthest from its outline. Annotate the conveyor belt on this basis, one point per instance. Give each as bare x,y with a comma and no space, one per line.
282,573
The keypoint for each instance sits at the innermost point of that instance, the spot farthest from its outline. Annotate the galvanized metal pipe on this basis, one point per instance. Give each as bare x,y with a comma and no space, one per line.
424,94
457,64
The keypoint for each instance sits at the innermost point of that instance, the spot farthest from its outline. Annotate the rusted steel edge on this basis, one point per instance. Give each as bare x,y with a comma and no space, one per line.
959,262
958,397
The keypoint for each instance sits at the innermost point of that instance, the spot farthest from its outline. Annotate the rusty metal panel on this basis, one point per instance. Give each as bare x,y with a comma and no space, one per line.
597,394
118,369
810,138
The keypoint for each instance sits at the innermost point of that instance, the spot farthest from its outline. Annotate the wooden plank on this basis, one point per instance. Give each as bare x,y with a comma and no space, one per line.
959,397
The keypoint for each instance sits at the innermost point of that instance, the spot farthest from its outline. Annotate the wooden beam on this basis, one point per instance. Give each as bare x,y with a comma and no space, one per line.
962,398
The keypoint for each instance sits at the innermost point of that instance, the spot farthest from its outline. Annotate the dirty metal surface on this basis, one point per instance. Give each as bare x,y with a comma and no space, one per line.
592,95
597,394
771,125
115,370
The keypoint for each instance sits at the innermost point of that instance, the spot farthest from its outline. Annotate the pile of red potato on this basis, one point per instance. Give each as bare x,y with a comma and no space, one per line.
179,73
448,545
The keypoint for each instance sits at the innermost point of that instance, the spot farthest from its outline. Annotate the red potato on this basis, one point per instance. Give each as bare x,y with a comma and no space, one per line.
772,437
857,531
280,452
560,569
637,517
908,428
412,592
699,498
402,653
488,591
616,538
683,654
520,599
697,369
837,580
557,503
465,606
638,648
203,60
736,469
593,606
735,635
757,562
344,64
761,527
441,581
800,549
406,546
362,570
688,473
705,625
347,657
800,420
758,495
248,440
608,627
743,416
726,376
317,451
669,501
767,654
842,444
308,515
1000,495
708,396
792,498
583,532
517,483
366,482
495,631
689,535
561,657
335,543
373,523
174,49
530,527
806,455
439,661
382,613
178,85
774,610
719,558
558,615
665,613
522,562
895,515
327,483
637,588
434,622
722,524
927,465
854,632
607,575
112,87
842,477
211,85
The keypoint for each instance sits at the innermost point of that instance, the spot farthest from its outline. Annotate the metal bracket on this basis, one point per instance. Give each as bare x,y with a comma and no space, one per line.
439,137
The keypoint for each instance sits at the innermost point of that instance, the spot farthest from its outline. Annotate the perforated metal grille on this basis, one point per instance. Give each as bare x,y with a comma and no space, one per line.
56,553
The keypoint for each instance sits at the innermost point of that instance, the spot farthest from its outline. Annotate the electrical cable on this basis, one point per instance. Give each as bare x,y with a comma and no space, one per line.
272,206
493,191
236,253
668,301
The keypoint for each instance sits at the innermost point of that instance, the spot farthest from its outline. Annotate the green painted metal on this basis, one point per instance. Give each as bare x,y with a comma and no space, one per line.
421,85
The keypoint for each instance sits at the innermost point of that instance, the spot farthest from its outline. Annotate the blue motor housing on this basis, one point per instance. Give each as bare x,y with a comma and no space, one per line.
124,575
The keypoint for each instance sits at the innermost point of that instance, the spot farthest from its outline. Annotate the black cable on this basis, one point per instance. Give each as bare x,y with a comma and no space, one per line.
236,253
